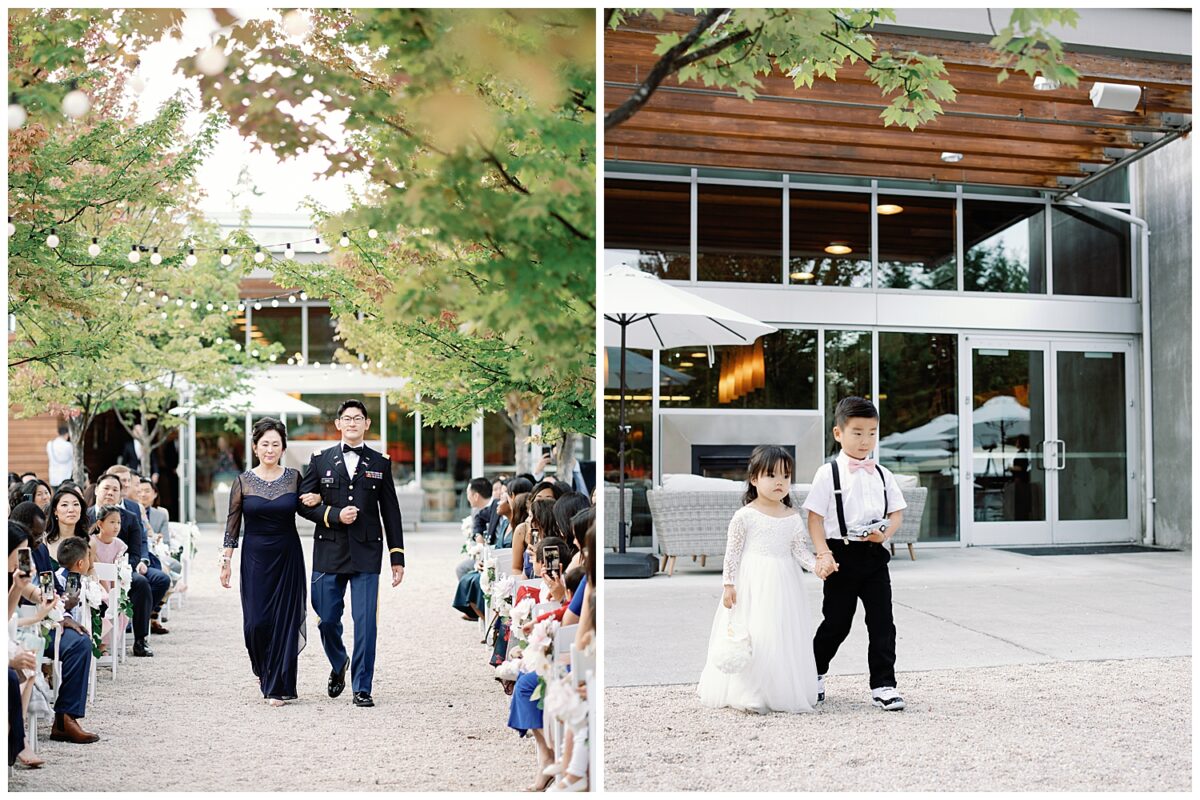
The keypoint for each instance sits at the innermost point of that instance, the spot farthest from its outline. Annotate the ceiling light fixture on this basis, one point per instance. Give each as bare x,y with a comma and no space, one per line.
1043,84
888,209
802,276
952,158
838,249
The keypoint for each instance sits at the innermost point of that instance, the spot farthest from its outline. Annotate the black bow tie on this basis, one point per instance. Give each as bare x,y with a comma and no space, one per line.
356,450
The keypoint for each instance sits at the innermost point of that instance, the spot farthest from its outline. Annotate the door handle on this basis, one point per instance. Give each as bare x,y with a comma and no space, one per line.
1061,448
1045,459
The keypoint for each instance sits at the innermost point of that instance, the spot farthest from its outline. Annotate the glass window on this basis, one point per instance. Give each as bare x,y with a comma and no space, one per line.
739,234
918,432
916,242
1112,188
321,427
499,444
445,470
1004,247
1091,423
647,225
777,371
847,374
401,443
639,465
322,334
1091,253
830,238
1008,424
277,326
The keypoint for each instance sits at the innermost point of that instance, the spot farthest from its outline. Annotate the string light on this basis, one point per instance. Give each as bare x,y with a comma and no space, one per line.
237,346
94,247
163,315
179,302
345,240
254,354
226,259
138,289
257,306
291,298
75,104
275,303
372,233
11,228
134,255
291,362
241,306
16,116
208,307
274,356
155,257
288,252
195,305
220,340
304,295
191,257
52,240
259,255
224,306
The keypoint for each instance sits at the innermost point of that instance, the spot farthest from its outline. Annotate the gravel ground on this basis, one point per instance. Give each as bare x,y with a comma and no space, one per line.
191,718
1091,725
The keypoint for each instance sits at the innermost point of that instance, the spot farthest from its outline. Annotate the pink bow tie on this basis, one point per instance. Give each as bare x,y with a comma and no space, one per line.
866,464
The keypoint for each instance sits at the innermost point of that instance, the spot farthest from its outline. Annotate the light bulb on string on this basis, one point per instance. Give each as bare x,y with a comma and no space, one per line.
226,259
105,273
259,255
16,116
288,252
208,307
195,305
220,340
150,295
52,240
371,234
191,257
155,257
349,367
304,295
179,302
123,281
291,298
254,354
224,306
275,302
94,247
257,306
163,315
211,61
138,289
291,362
13,228
241,306
316,363
274,356
134,255
165,298
237,346
345,240
75,104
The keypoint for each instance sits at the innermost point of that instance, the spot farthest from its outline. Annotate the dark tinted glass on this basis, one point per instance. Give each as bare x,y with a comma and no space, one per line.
916,245
781,373
1004,247
830,238
740,234
647,225
847,374
1091,253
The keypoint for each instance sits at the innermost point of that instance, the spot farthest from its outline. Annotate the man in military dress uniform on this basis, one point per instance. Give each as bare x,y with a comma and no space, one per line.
357,507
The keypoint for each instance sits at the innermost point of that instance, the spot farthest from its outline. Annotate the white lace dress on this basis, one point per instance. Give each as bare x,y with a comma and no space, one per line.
763,555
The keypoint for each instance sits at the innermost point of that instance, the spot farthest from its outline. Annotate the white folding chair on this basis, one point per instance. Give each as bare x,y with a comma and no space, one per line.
582,662
503,560
181,534
116,648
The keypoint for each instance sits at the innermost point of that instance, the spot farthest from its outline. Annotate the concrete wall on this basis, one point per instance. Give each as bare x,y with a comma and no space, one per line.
1164,199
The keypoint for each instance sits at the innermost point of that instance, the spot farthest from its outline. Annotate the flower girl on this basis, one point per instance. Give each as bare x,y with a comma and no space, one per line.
764,600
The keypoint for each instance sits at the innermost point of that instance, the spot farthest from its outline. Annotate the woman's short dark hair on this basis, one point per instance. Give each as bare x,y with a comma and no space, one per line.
52,531
565,509
581,523
265,426
352,404
849,408
18,535
767,459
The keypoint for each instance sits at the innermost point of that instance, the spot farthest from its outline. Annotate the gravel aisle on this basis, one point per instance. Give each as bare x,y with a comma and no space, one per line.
191,718
1101,726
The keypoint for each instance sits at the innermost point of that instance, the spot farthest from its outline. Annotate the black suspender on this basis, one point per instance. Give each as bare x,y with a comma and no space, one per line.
837,496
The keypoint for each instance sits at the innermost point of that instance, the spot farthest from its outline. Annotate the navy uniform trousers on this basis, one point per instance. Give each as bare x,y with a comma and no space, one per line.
329,600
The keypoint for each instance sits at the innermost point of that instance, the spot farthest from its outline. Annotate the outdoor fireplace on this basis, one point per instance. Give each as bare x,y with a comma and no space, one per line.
725,460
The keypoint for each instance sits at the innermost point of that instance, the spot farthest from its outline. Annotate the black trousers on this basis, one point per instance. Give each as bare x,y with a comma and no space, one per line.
16,719
862,573
141,596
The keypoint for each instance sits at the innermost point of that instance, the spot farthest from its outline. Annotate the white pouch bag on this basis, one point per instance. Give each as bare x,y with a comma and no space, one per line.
733,650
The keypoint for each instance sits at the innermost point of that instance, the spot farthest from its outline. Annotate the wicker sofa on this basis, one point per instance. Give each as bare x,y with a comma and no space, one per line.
695,523
611,514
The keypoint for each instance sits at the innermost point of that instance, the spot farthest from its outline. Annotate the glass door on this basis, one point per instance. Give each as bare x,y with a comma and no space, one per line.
1009,477
1095,497
1053,432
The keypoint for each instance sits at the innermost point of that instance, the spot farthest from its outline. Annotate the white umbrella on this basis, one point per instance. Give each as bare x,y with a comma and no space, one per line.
643,312
999,421
259,401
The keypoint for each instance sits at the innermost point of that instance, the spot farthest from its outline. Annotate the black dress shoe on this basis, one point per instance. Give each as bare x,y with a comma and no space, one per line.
363,700
142,650
337,680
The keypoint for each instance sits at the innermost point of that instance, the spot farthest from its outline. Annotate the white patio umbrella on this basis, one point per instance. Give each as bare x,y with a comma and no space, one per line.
643,312
258,401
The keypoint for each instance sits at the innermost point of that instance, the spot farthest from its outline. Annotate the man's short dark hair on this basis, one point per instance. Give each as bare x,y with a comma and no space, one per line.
26,512
72,550
853,408
28,475
352,404
63,430
481,487
114,476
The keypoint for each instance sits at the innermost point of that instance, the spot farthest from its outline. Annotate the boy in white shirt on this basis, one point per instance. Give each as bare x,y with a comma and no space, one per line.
854,508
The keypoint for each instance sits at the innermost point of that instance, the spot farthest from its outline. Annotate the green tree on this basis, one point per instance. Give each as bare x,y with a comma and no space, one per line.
734,48
475,129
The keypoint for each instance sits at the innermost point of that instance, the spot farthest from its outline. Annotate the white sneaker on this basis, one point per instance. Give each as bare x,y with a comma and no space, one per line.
820,688
887,698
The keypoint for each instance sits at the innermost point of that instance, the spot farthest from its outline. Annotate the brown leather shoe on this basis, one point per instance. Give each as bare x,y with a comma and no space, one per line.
156,627
69,730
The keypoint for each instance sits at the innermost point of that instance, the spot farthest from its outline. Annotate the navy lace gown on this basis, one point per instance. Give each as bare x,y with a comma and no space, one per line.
273,579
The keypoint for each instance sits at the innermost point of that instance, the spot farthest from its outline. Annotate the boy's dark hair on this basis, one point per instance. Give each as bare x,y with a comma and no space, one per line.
71,551
851,407
564,550
352,404
768,459
573,577
481,487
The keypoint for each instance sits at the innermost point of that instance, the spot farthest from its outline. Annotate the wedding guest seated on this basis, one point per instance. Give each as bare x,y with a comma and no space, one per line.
34,520
160,524
106,548
479,493
147,588
75,650
35,490
21,662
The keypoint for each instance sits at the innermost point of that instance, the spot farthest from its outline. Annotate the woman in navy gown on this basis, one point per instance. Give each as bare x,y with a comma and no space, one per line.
273,578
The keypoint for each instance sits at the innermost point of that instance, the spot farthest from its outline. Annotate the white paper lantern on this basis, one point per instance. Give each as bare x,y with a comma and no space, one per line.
211,61
16,116
76,104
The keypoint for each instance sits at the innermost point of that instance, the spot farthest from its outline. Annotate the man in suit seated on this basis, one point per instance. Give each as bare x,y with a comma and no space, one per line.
478,493
144,591
131,490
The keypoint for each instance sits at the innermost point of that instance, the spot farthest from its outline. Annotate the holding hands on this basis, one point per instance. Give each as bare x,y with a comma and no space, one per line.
826,566
310,499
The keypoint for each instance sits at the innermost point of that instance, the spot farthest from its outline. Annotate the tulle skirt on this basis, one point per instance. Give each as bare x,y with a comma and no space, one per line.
772,606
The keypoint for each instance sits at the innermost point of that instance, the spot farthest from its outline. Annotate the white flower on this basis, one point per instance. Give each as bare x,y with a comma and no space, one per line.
92,592
522,612
56,612
467,526
509,670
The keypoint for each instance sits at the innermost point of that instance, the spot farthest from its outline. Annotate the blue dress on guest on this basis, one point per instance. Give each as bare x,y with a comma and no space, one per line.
274,583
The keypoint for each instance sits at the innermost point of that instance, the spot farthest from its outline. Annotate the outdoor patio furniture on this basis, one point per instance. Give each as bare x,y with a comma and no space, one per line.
611,517
695,524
